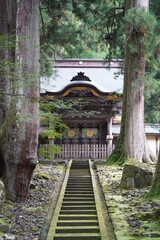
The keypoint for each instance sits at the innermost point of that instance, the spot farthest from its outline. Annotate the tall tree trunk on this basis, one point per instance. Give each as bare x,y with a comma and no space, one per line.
20,129
7,54
132,142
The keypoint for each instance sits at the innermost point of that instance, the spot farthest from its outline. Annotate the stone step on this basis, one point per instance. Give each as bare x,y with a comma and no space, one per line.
79,177
77,223
73,203
79,171
77,217
86,177
79,189
79,194
78,186
80,166
79,207
77,163
77,236
79,182
75,211
75,176
77,229
78,199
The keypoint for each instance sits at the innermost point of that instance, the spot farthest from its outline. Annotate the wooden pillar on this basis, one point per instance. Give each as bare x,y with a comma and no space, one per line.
157,146
100,133
109,134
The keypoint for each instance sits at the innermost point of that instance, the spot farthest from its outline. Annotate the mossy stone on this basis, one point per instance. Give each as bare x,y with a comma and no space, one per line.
142,176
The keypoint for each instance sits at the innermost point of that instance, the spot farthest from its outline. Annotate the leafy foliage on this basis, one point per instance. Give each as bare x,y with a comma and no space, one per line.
76,21
110,24
51,119
152,97
141,26
92,29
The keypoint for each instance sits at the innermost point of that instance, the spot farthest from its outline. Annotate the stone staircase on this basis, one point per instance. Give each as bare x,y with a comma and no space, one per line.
78,218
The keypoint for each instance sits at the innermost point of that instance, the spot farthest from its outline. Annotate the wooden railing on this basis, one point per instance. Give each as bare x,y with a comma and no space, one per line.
76,151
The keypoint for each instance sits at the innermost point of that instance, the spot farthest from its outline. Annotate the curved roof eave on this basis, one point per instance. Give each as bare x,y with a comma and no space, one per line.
77,84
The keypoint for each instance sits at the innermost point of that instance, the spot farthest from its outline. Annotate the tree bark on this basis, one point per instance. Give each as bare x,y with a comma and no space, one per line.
135,139
20,128
7,54
132,142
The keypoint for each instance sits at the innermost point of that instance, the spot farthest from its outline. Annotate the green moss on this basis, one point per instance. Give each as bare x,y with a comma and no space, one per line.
10,121
154,192
118,156
127,208
42,175
155,195
34,209
60,168
2,221
149,224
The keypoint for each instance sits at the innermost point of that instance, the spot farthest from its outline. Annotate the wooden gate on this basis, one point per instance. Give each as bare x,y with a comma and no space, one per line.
76,151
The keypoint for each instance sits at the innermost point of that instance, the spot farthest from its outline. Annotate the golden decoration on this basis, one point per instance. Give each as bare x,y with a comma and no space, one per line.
80,88
95,93
90,133
110,98
71,133
66,93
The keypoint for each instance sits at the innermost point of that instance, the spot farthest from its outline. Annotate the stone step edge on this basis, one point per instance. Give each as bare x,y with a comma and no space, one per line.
75,210
77,227
77,234
84,221
80,206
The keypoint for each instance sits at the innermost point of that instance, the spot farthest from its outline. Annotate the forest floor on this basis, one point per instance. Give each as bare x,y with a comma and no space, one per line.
132,216
25,221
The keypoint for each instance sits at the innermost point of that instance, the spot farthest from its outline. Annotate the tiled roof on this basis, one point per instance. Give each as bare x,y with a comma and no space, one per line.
149,129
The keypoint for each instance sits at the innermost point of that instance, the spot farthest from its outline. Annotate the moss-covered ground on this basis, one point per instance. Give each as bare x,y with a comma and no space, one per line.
133,216
25,220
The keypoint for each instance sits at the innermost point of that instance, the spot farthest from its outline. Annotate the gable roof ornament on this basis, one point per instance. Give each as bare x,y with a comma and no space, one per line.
80,77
